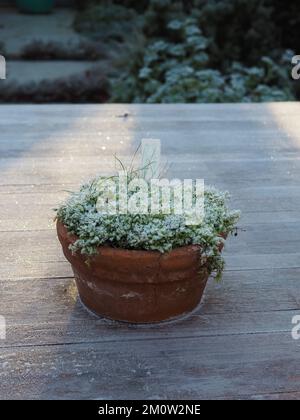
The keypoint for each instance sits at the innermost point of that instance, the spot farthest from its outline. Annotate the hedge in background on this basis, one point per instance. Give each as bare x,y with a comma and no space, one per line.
91,87
199,50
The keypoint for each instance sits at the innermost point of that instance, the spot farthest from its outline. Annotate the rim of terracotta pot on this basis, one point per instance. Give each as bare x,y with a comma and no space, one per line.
120,261
108,250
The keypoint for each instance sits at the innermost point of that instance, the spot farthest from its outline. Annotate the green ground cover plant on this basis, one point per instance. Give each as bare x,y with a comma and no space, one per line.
149,231
197,50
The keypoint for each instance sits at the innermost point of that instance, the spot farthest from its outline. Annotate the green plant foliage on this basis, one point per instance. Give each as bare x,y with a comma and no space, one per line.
107,21
181,72
246,30
158,232
242,30
199,50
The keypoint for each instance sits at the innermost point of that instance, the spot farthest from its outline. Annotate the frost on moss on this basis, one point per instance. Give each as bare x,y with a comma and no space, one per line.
157,232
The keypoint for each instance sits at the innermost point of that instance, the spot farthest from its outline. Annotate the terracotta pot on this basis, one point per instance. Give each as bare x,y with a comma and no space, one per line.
137,286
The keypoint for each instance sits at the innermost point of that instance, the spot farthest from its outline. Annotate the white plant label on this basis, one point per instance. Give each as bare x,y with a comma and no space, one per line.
151,150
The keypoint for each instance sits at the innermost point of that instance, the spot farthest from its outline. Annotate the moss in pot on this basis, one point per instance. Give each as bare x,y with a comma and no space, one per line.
142,268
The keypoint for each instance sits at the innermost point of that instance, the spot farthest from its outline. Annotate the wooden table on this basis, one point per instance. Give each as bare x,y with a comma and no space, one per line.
238,344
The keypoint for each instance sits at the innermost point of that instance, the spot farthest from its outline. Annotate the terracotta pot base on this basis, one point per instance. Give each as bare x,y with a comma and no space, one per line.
137,286
170,321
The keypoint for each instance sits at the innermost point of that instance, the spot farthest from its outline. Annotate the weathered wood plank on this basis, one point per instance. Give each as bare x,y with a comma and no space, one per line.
239,292
242,111
225,366
34,211
285,396
199,139
240,305
61,269
272,238
30,171
238,343
39,251
235,131
90,330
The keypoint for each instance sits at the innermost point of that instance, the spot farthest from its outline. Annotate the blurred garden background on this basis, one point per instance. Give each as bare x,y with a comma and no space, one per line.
149,51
